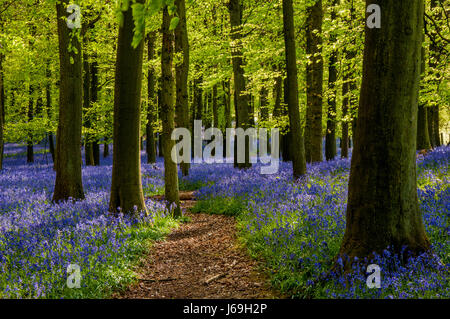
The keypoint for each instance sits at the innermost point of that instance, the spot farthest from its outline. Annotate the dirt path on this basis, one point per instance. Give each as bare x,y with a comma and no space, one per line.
200,259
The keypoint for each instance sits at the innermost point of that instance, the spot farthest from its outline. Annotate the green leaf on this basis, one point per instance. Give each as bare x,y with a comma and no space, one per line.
174,23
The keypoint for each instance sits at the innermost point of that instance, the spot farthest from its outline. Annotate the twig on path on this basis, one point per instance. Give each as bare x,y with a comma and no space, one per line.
215,277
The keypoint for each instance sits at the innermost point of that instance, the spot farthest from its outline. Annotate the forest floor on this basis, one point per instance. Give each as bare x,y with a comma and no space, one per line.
200,259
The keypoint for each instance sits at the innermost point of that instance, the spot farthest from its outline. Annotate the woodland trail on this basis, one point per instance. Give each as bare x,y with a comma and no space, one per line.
201,260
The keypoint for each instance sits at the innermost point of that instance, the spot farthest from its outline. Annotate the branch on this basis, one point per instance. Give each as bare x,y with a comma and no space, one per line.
437,28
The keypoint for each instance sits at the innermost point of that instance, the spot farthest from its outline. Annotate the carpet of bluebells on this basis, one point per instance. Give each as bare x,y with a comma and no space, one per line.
297,228
38,239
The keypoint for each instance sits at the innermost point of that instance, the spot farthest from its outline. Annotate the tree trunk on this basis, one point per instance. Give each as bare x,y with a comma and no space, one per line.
297,149
277,108
314,82
330,137
151,102
423,139
227,110
48,107
88,151
168,116
68,182
382,207
94,98
241,98
30,152
182,71
126,187
105,149
435,58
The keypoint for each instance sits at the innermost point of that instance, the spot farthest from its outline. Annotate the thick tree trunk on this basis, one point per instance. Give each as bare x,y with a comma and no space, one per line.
241,98
182,71
314,82
126,187
330,137
382,207
68,182
297,147
168,116
151,102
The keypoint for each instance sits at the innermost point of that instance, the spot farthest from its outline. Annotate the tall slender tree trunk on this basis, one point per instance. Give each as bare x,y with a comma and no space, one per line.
286,138
227,110
423,139
126,187
435,58
94,98
241,98
182,71
330,137
88,151
314,82
30,151
168,115
277,108
151,102
68,182
105,149
48,96
382,207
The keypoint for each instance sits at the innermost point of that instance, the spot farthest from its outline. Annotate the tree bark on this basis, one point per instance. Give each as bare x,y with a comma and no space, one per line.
182,71
68,182
297,147
330,137
314,82
423,139
48,107
126,187
382,209
151,102
241,98
168,116
94,98
88,151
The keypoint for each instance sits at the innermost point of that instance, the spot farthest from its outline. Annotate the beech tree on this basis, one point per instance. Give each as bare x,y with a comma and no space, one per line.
382,207
126,186
297,145
314,82
168,114
182,71
242,106
151,103
68,182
